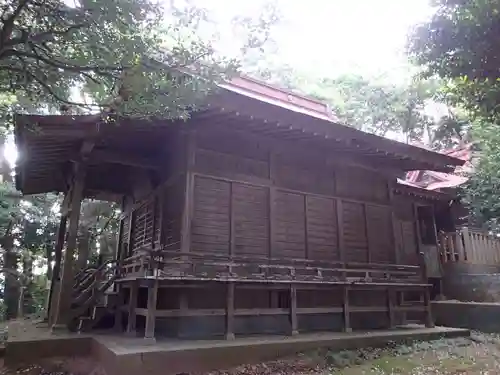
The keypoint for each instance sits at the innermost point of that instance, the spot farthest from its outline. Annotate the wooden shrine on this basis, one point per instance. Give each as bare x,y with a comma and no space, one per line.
260,214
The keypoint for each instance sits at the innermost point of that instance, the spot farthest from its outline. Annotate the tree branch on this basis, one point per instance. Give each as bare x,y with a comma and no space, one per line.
46,36
8,24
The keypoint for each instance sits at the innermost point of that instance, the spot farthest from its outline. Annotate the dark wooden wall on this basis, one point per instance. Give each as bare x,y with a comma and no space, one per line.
153,212
253,197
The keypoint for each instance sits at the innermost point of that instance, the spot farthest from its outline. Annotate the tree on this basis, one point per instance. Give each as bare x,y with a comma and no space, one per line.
377,106
460,43
120,52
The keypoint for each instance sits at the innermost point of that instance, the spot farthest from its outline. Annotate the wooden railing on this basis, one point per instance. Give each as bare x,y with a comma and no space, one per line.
174,265
471,246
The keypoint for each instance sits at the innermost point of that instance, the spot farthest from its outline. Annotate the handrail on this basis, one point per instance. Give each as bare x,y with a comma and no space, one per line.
87,303
145,252
90,271
91,287
207,266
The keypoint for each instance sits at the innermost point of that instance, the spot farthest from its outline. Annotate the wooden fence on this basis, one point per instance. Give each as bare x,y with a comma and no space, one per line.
471,246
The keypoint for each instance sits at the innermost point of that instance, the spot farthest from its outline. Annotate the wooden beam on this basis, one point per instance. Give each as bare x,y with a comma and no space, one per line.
113,157
67,279
230,311
151,315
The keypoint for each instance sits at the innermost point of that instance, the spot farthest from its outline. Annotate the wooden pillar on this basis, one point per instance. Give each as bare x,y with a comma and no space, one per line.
230,311
422,258
272,200
345,309
394,222
132,305
151,313
367,233
56,272
119,242
188,192
63,313
293,310
390,307
340,229
118,325
429,321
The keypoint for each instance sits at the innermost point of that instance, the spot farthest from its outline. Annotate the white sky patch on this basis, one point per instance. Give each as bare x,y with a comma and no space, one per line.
330,37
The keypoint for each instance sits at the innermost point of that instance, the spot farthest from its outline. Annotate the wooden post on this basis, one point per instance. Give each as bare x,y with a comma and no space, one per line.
151,314
293,310
340,231
345,309
272,200
394,222
306,232
467,245
423,263
232,227
63,313
56,272
230,311
429,322
188,192
367,233
132,305
118,326
390,307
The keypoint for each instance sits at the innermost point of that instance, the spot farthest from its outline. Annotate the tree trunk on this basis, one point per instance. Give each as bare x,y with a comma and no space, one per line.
11,291
26,292
83,250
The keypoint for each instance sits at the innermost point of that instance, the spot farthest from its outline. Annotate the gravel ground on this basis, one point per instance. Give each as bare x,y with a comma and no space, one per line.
478,355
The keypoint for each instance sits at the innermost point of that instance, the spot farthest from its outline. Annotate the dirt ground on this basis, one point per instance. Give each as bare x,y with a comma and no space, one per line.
478,355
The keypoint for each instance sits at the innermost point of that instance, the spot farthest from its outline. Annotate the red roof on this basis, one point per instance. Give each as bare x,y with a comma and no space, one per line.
432,180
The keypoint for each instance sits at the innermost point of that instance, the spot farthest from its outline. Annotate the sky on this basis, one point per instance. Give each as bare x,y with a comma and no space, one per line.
329,36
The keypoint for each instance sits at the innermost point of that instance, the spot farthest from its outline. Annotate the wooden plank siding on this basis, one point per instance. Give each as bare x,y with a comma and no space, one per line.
244,204
254,199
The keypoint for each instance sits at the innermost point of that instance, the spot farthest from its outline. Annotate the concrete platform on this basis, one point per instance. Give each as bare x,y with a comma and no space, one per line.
118,355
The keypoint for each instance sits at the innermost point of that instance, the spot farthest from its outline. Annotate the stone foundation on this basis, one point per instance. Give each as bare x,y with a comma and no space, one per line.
471,282
471,315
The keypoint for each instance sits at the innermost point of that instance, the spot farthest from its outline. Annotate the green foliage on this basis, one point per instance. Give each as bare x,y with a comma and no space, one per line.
460,43
128,57
377,106
482,191
121,52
